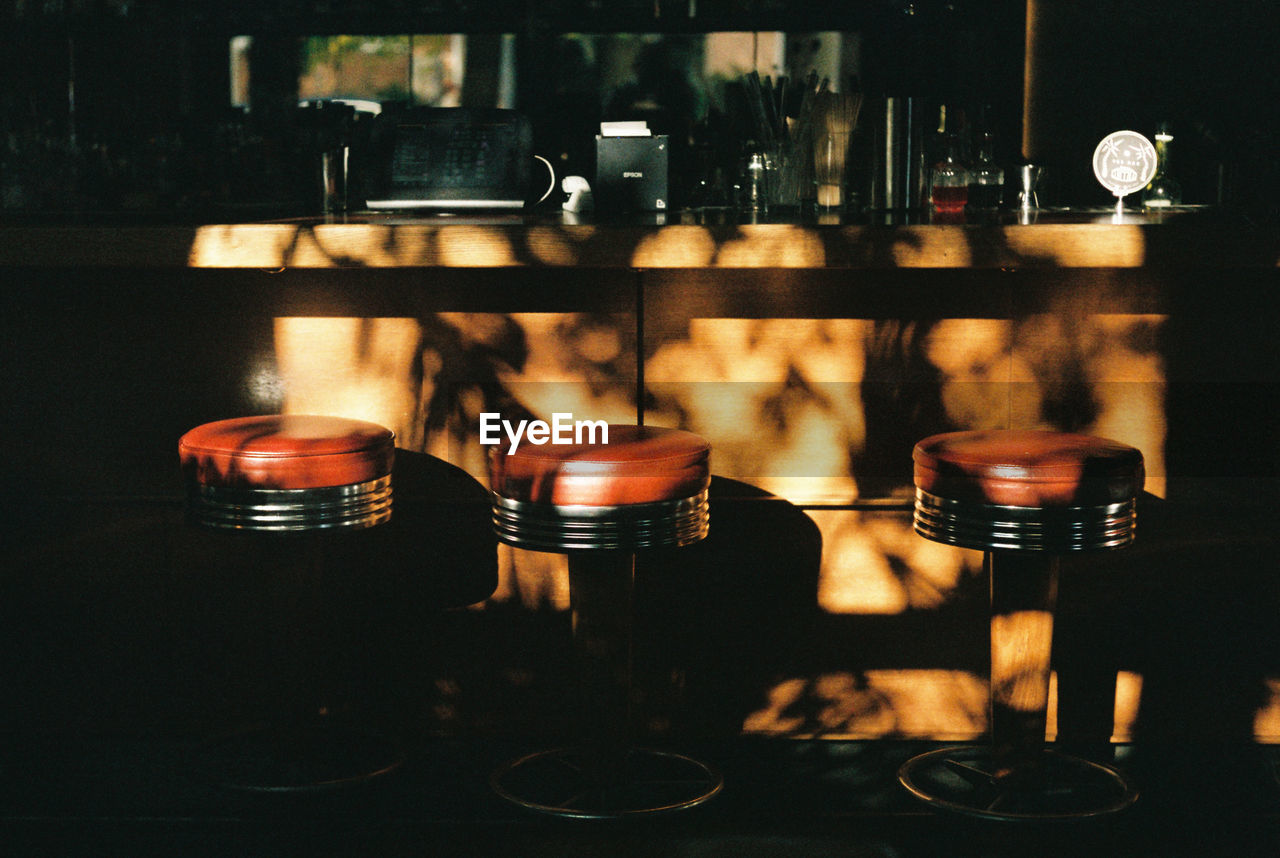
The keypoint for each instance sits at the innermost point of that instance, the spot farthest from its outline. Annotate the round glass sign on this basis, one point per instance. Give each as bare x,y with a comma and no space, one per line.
1124,162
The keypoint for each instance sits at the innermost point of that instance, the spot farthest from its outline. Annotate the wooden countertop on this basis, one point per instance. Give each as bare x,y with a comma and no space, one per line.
515,242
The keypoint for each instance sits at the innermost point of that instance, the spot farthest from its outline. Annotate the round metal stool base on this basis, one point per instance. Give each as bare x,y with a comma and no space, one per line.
960,780
311,757
557,782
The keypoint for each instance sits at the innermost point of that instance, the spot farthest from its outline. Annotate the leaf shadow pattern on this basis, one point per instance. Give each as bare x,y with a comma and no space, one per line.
459,372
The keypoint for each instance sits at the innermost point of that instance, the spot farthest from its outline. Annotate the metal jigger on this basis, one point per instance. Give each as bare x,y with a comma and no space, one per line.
1029,176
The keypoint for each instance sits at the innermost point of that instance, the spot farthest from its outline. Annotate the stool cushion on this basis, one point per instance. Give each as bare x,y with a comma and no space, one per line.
1028,468
640,464
286,451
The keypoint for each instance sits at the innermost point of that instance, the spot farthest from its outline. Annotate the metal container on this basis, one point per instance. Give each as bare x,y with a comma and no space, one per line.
898,162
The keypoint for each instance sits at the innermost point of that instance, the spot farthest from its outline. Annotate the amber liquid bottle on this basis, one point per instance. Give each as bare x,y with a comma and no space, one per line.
949,184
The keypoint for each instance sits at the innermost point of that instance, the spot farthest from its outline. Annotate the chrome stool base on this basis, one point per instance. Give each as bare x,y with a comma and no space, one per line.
558,782
962,780
302,758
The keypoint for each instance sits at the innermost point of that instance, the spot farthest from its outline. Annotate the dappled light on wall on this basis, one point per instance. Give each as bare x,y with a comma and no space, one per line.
351,367
777,397
810,408
374,245
429,379
874,563
817,412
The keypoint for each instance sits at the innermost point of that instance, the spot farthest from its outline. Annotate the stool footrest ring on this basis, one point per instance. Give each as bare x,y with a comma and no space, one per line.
648,781
297,758
961,780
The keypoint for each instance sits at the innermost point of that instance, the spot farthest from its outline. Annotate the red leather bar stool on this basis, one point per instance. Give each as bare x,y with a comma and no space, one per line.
290,485
1024,498
603,504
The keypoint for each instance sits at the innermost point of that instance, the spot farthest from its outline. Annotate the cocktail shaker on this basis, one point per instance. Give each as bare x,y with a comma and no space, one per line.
898,162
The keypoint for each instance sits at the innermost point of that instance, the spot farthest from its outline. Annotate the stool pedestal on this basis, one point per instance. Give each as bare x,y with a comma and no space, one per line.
1024,498
1016,776
1024,592
603,505
604,775
305,732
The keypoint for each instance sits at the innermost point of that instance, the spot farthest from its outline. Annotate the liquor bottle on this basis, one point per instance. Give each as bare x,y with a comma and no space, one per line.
1163,190
986,177
949,184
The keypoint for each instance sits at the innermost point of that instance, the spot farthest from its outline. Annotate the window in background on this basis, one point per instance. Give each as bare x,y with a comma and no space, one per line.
434,69
421,69
616,62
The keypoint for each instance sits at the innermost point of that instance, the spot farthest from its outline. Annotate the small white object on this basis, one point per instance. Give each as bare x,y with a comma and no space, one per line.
579,191
629,128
